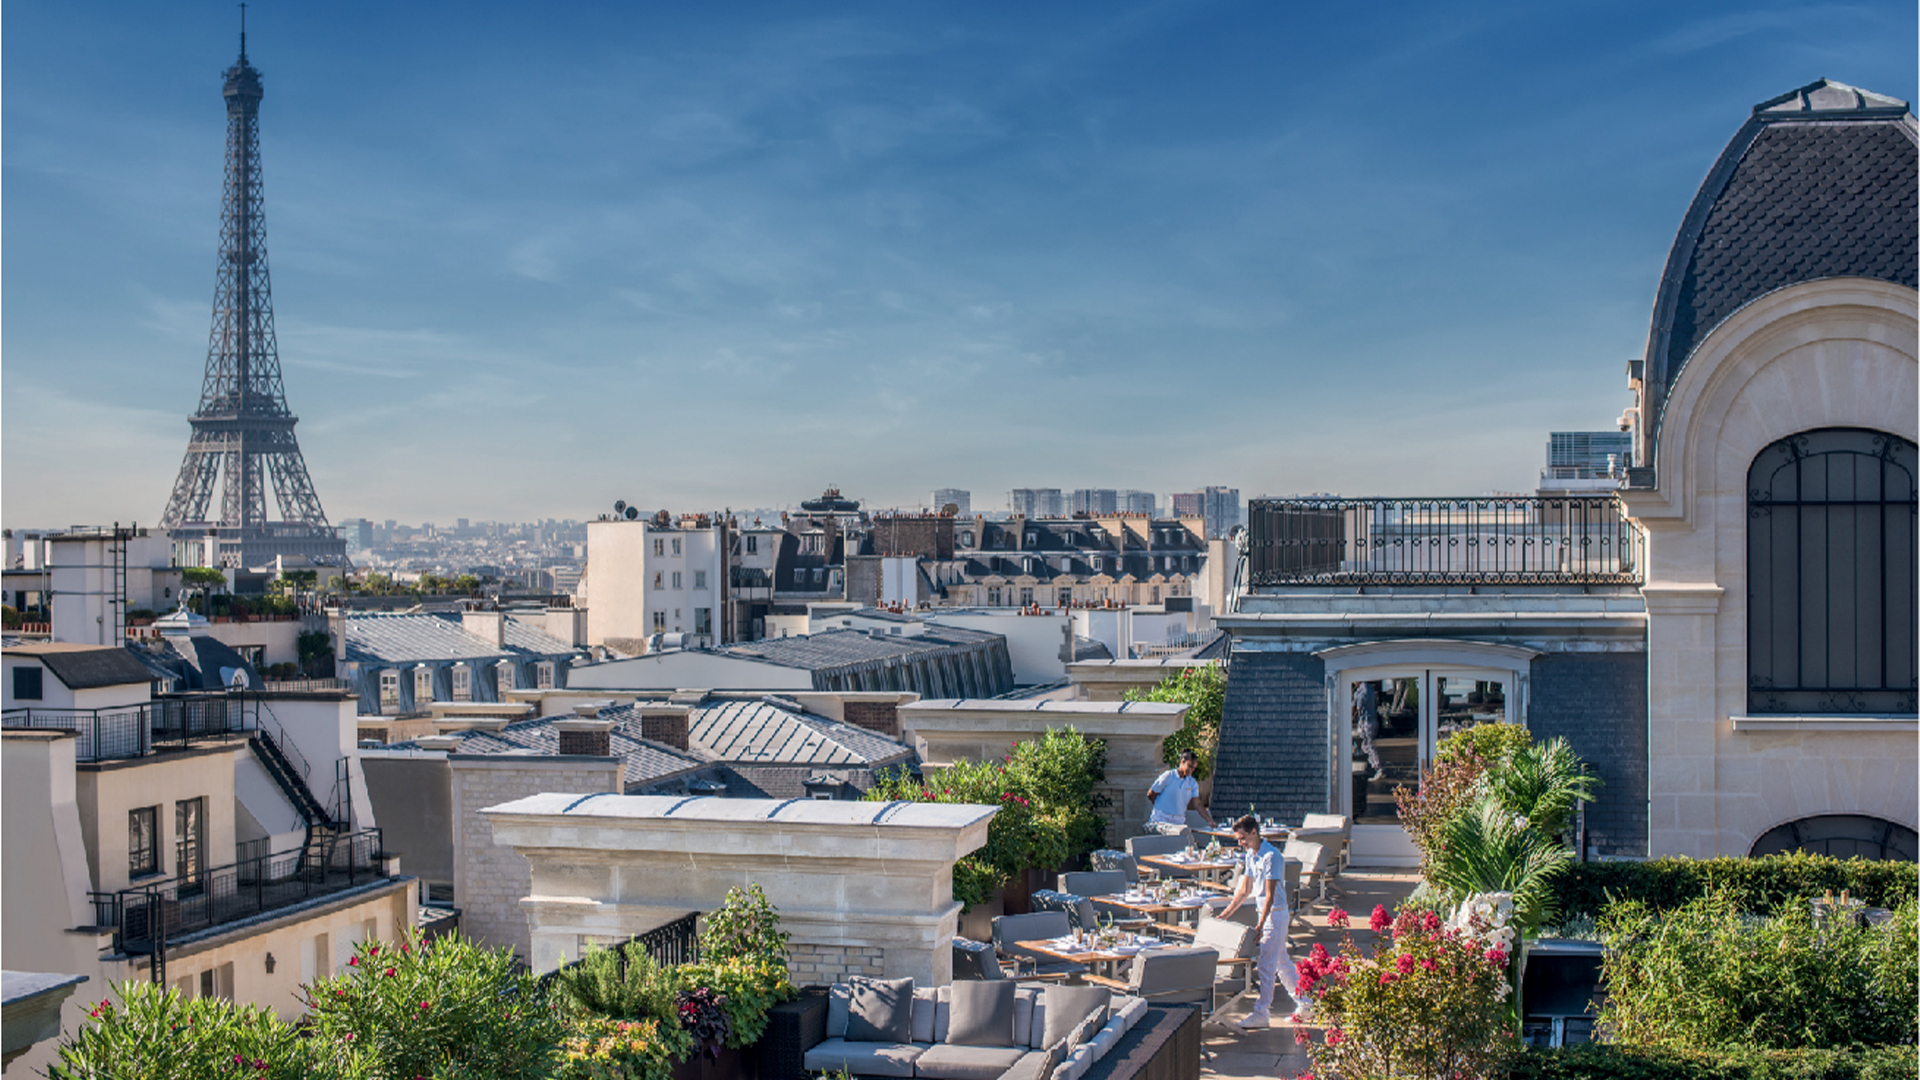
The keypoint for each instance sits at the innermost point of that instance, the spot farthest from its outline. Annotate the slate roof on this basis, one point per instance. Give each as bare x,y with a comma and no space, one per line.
646,762
835,648
416,637
84,667
763,732
1819,183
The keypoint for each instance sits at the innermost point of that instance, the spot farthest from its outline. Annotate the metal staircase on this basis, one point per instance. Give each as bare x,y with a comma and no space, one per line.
288,768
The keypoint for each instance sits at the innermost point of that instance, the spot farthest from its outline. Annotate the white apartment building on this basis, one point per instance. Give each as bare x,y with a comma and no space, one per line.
653,576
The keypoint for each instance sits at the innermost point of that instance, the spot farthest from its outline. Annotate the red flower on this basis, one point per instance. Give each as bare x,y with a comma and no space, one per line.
238,1060
1497,957
1431,922
353,961
1386,978
1381,918
1300,1037
1405,963
389,973
1429,965
424,1004
1336,917
373,950
1304,1076
1335,1036
1319,953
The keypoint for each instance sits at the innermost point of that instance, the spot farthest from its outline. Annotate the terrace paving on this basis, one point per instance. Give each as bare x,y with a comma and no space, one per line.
1228,1052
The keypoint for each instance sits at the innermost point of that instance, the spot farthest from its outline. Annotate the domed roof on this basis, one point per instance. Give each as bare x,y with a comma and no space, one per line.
1819,183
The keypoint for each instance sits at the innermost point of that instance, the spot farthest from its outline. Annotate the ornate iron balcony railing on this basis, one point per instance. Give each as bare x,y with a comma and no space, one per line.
1481,540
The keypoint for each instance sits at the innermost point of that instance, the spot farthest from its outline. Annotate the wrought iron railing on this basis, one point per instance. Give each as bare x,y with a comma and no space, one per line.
130,731
145,917
303,686
677,942
1504,539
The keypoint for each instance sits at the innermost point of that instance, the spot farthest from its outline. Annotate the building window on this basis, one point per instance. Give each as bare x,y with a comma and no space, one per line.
190,839
143,842
676,545
504,678
676,579
422,687
389,689
26,682
543,675
659,547
462,683
1094,562
993,596
659,622
753,545
819,575
659,580
702,620
699,579
1066,597
1830,574
1153,595
966,539
1026,597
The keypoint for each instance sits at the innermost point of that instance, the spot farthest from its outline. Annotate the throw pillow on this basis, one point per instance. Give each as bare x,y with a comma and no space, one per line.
982,1013
1065,1006
1089,1027
880,1010
1038,1064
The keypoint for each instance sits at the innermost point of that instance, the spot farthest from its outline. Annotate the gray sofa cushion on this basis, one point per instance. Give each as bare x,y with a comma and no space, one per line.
1090,1025
837,996
1063,1007
1037,1064
982,1014
863,1058
925,1002
946,1061
880,1010
1024,999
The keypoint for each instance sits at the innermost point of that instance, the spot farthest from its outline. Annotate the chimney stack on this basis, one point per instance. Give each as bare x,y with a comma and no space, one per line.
488,625
665,724
589,738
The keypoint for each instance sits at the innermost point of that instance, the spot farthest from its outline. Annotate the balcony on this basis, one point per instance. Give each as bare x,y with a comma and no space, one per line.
133,731
1491,540
145,917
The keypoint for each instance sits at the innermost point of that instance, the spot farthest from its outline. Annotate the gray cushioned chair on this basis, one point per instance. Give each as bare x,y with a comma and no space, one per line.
1109,859
975,960
1156,844
1169,976
1097,883
1038,926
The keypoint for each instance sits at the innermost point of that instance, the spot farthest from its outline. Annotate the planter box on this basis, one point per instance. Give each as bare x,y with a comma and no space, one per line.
730,1065
977,922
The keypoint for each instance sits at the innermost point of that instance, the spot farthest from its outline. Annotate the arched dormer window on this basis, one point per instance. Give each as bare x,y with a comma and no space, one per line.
1830,574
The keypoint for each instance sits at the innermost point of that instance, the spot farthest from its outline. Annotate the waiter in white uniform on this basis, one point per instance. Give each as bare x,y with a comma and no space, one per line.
1266,877
1174,793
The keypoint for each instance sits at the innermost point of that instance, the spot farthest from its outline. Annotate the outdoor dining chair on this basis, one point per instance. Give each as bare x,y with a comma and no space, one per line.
1098,883
1109,859
1009,930
1159,844
1169,976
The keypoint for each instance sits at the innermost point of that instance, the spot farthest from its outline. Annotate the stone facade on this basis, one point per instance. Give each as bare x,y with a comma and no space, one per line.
852,881
489,879
810,964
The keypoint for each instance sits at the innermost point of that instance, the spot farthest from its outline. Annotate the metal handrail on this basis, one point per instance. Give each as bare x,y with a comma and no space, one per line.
670,945
1466,540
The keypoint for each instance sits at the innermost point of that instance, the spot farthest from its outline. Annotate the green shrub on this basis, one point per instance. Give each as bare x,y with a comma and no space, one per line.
1541,784
746,927
1607,1062
440,1008
1491,743
1706,975
1205,689
155,1034
1488,849
603,1048
748,989
1759,886
600,984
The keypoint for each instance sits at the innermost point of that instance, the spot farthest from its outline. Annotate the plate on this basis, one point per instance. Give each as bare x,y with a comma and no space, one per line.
1148,942
1127,950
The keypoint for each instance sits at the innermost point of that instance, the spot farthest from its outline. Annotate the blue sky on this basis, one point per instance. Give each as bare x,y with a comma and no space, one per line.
528,259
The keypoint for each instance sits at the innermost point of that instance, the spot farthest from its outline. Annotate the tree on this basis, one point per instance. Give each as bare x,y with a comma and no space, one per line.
1203,688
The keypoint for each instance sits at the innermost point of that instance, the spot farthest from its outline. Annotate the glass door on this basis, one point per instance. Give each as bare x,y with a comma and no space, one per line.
1398,723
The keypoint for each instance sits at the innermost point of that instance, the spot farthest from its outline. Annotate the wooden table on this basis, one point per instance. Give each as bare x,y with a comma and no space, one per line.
1104,962
1154,909
1212,872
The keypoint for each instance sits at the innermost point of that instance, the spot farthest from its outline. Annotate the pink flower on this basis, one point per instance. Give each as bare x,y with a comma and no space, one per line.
1429,965
389,973
1319,953
1386,978
1335,1036
1336,917
1497,957
1300,1037
1304,1076
1381,918
353,961
238,1060
1431,922
424,1005
1405,963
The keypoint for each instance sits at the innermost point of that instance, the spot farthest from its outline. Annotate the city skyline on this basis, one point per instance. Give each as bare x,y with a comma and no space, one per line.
529,262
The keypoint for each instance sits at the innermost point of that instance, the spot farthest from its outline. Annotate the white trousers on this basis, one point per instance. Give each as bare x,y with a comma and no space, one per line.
1273,964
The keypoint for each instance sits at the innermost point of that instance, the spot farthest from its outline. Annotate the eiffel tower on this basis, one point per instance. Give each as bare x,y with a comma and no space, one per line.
243,430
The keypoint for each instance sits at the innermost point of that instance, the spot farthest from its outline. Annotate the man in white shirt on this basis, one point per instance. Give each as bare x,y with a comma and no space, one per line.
1173,794
1265,876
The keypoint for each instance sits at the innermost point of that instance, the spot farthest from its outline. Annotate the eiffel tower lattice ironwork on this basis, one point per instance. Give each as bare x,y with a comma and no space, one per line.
243,430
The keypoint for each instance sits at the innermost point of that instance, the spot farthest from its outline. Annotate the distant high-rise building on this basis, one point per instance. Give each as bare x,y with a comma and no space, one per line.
961,499
1584,455
1134,501
1095,502
461,524
1037,502
358,533
1189,505
1221,507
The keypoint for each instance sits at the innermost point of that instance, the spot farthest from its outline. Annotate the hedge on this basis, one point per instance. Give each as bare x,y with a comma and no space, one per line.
1760,886
1597,1061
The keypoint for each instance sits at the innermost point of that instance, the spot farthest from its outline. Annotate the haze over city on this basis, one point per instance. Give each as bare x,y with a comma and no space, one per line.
528,260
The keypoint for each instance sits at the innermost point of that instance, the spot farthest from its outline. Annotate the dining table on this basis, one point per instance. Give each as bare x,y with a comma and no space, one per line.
1105,962
1144,903
1213,871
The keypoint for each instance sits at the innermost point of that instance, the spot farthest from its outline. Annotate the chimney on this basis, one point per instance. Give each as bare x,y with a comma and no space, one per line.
337,629
879,717
589,738
488,625
664,724
569,624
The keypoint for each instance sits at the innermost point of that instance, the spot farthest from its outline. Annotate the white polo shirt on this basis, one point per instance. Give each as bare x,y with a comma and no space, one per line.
1172,794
